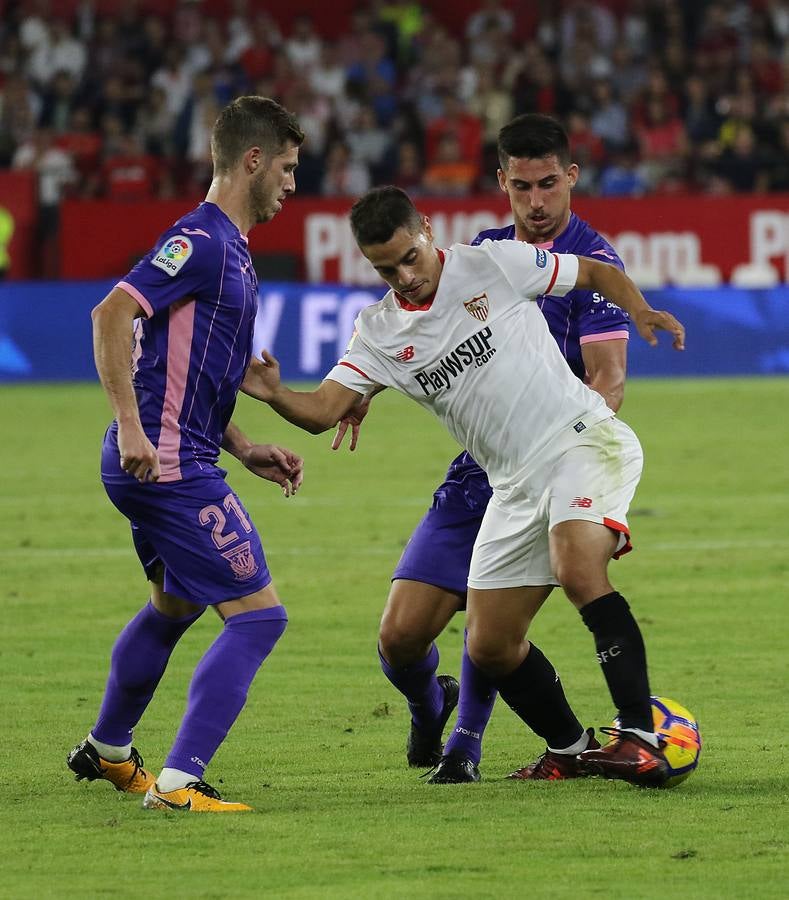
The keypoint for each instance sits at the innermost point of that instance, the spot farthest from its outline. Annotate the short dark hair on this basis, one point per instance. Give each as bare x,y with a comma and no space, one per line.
533,136
252,122
380,212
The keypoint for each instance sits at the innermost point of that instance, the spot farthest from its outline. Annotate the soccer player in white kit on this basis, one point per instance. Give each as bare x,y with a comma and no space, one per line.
458,334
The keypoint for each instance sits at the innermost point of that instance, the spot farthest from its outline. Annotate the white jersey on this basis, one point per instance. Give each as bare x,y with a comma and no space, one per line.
482,359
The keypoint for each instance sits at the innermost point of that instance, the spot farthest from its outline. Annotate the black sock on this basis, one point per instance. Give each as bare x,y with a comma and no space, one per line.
621,654
534,692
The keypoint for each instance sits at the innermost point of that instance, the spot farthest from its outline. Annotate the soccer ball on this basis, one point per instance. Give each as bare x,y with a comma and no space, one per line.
680,730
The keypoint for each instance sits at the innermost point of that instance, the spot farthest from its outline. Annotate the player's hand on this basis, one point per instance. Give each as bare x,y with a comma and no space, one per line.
139,457
647,321
353,420
262,377
277,464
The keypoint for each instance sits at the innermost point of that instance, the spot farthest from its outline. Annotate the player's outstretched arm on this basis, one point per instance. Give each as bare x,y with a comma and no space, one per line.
269,461
353,419
606,369
314,411
613,283
113,321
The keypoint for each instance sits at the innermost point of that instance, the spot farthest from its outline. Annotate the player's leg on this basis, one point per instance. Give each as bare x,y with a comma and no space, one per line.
429,585
583,539
217,693
509,579
137,663
415,614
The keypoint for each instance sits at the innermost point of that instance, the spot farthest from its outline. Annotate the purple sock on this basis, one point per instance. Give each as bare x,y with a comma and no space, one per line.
137,663
477,696
419,685
220,684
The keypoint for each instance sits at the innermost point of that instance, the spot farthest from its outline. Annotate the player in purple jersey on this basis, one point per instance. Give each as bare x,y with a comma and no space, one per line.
194,301
429,582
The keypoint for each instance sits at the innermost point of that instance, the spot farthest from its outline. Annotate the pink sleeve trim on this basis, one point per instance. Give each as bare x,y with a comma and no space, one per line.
605,336
132,291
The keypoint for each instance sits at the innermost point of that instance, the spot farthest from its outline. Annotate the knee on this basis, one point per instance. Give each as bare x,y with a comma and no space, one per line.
401,644
493,658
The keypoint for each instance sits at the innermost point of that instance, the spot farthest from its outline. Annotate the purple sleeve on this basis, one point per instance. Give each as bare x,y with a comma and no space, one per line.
598,318
179,266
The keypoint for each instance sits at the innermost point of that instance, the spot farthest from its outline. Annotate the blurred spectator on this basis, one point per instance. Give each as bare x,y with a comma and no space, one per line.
592,20
193,131
408,19
54,169
702,123
464,126
491,12
742,167
344,177
58,102
61,52
370,144
375,75
586,149
131,173
621,177
327,77
256,60
155,125
450,174
662,142
33,29
83,143
408,169
174,78
608,120
304,46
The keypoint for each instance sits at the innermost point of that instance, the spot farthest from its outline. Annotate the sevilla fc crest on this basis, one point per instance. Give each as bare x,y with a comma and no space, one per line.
242,561
477,307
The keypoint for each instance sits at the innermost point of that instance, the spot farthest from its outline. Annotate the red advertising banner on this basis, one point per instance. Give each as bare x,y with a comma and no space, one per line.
670,236
18,221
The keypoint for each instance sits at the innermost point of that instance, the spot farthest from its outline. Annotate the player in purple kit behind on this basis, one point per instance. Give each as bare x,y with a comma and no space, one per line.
194,301
429,582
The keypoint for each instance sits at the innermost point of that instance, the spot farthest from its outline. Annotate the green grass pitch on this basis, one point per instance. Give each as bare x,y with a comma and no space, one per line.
319,749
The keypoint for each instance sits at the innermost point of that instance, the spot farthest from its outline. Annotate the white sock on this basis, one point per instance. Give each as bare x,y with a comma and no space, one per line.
581,744
649,736
173,779
111,752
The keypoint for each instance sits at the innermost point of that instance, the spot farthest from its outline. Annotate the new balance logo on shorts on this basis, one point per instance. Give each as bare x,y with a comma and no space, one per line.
405,355
581,502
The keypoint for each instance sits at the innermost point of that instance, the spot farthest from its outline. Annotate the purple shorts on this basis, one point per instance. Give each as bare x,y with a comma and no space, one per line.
439,551
199,531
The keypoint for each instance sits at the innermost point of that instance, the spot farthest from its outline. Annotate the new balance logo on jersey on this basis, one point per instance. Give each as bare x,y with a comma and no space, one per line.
475,351
477,307
581,502
406,354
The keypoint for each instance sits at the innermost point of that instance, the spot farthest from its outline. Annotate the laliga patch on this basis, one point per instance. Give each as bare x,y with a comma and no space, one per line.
542,258
173,254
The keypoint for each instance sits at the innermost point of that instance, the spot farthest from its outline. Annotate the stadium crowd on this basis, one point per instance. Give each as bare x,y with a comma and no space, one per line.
657,95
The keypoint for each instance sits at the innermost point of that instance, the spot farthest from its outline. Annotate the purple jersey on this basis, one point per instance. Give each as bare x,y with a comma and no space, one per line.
199,293
578,318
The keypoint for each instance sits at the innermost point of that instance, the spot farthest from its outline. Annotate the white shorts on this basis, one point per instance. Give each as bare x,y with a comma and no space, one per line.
593,480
